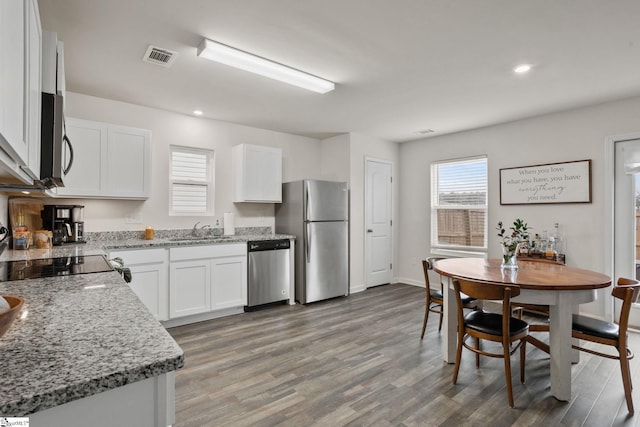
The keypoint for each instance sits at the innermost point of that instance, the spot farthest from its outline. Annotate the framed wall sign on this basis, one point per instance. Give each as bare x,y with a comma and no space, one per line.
568,182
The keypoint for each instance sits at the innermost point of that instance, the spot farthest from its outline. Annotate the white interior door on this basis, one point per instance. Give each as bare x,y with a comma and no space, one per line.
378,222
627,199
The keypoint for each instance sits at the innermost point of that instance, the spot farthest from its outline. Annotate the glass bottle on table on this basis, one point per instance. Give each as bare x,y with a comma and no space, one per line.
558,243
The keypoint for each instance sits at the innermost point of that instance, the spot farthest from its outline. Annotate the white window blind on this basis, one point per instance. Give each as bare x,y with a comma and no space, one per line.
459,204
191,179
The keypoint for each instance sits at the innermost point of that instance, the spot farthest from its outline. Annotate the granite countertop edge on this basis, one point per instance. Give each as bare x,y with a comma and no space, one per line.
108,340
50,399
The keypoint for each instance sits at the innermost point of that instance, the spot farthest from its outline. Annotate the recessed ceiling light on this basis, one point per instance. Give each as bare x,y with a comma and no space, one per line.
245,61
198,112
522,68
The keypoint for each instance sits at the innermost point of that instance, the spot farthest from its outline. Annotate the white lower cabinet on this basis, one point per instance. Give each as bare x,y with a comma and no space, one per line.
149,278
188,280
207,278
229,282
190,290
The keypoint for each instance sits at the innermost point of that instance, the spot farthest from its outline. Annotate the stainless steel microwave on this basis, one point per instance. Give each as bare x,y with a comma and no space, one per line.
53,139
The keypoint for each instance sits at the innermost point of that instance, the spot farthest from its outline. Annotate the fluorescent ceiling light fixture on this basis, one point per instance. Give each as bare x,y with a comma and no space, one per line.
522,68
245,61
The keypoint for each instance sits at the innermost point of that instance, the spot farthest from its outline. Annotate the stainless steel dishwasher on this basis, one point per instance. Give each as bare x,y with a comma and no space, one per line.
269,275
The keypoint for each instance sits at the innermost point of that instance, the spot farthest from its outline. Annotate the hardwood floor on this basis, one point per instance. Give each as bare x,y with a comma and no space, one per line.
359,361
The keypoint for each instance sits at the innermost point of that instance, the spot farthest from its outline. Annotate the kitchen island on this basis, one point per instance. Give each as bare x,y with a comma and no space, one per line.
85,351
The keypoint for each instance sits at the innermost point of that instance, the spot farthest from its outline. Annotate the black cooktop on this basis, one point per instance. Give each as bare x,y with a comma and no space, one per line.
52,267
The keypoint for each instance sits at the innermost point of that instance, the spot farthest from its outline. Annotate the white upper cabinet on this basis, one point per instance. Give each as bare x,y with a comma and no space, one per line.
257,173
109,161
128,162
33,88
20,39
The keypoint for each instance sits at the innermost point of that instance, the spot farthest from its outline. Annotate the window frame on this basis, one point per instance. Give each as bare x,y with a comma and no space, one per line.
208,183
438,248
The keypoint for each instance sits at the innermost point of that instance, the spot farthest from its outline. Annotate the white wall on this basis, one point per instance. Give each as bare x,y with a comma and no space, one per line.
300,160
335,158
572,135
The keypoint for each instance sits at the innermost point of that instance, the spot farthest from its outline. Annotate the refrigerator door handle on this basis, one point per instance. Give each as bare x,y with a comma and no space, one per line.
305,211
307,242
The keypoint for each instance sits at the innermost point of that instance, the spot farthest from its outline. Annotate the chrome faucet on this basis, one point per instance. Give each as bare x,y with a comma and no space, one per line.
195,232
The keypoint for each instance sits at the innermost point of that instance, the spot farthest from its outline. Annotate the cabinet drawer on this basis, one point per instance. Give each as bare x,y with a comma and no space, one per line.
209,251
142,256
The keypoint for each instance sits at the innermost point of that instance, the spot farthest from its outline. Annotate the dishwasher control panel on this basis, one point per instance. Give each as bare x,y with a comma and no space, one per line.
268,245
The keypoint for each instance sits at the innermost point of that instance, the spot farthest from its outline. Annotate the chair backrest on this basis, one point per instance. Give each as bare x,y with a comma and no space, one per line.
427,264
486,291
627,290
425,269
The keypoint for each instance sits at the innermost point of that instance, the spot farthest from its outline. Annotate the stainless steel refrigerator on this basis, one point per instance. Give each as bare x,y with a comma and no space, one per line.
317,213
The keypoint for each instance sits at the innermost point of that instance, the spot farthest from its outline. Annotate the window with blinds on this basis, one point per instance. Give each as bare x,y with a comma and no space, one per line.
459,205
191,181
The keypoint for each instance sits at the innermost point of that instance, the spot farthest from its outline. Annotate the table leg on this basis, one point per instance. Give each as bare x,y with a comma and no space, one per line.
560,346
449,324
575,354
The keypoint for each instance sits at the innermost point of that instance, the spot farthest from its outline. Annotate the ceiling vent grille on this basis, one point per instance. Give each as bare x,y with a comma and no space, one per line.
159,56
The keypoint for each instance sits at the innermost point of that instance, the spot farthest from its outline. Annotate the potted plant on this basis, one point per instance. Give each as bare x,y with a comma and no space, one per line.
511,239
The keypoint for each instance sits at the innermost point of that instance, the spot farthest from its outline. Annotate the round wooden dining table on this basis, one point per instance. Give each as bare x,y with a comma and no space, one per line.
561,287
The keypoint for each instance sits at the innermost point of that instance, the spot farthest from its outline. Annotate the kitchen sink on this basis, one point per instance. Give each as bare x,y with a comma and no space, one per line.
200,238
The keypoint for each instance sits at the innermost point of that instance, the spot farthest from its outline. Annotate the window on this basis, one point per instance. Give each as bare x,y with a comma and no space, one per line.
459,205
191,181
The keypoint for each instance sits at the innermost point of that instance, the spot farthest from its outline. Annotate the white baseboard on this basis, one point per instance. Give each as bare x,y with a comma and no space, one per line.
408,281
356,289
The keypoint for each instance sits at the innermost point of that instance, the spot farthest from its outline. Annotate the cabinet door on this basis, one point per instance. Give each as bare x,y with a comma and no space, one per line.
33,89
258,174
149,278
229,282
12,79
145,282
87,174
128,162
189,287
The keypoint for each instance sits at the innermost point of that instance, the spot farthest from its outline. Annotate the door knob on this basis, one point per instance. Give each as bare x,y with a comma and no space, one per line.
369,230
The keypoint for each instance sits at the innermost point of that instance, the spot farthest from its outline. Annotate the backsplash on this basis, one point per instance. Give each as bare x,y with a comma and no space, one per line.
105,236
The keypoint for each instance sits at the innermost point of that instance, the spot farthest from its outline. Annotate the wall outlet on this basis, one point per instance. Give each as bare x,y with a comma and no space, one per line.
134,218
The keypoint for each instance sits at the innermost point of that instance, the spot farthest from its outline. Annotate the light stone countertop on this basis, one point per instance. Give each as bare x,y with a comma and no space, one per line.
78,336
83,334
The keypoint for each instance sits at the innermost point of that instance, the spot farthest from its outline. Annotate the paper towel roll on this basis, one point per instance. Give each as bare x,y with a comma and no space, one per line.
229,226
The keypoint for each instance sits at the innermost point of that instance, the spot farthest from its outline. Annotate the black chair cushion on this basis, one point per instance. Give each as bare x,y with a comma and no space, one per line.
598,328
491,323
437,295
465,298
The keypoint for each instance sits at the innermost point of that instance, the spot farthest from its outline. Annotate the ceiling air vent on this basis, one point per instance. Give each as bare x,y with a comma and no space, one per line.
159,56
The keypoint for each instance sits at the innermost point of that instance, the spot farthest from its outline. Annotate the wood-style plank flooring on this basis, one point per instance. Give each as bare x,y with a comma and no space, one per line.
359,361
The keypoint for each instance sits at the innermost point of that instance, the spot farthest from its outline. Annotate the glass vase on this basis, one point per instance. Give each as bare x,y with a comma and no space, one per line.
509,258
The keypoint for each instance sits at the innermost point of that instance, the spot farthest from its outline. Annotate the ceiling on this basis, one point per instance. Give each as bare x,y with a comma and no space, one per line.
400,67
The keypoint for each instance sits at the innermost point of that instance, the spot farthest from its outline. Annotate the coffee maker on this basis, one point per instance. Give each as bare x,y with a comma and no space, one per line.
77,223
65,221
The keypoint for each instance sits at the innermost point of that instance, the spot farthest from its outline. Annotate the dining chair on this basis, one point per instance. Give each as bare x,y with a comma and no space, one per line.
605,333
435,298
483,325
